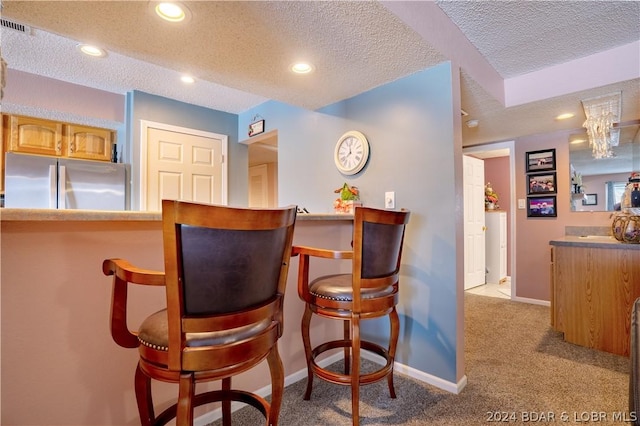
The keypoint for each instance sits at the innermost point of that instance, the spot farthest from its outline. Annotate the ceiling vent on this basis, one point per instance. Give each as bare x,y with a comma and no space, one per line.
16,26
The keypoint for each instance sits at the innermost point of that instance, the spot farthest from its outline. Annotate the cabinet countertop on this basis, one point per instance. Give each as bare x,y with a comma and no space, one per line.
43,215
605,242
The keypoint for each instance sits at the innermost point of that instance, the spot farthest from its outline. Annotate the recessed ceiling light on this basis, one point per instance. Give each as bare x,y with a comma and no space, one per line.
565,116
187,79
170,11
92,50
472,123
302,68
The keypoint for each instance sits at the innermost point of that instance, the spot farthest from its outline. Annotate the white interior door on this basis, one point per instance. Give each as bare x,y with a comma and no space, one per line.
183,164
258,186
474,224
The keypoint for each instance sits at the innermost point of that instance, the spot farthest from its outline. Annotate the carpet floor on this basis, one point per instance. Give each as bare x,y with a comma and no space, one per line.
519,371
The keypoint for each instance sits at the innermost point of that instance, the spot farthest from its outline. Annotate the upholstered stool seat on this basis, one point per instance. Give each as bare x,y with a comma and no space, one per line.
340,287
154,333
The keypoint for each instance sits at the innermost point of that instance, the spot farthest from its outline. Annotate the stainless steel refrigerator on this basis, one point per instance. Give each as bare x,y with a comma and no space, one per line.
39,182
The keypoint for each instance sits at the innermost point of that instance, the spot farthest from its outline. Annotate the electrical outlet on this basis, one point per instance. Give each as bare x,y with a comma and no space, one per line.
521,203
390,200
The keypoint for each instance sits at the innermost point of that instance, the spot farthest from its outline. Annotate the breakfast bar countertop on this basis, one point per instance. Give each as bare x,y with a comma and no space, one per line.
40,215
595,241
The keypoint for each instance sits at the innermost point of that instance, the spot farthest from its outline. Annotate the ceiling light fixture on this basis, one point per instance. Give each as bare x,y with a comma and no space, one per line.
565,116
94,51
472,123
302,68
602,113
170,11
187,79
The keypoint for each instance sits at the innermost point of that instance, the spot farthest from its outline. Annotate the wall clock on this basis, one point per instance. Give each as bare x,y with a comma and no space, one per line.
351,153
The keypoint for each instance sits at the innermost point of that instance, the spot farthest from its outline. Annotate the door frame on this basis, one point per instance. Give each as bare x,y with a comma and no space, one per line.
510,147
145,125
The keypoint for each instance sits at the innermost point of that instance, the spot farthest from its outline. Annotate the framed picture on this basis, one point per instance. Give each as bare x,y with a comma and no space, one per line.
541,206
256,128
538,161
591,200
541,183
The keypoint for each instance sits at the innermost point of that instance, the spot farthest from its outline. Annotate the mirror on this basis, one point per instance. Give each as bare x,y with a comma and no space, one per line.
603,179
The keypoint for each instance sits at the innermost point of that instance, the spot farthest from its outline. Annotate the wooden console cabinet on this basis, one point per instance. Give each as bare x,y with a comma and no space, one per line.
593,287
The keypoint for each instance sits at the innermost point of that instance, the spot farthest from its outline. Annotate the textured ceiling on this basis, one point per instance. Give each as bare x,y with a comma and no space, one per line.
239,52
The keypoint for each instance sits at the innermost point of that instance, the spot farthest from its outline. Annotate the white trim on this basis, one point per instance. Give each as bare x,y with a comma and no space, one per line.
145,125
430,379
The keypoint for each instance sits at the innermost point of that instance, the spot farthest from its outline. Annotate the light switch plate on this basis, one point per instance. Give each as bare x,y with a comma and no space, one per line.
390,200
521,203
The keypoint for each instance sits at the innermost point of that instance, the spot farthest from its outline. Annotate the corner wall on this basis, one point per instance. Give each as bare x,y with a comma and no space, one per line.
416,152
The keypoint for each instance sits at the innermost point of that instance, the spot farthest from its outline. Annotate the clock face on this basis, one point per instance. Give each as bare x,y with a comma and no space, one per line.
351,153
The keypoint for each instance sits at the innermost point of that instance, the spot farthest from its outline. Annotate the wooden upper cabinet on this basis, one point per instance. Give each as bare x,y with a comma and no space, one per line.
88,142
34,135
47,137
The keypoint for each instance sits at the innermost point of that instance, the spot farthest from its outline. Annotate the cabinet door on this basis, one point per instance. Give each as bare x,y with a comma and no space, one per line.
35,136
89,143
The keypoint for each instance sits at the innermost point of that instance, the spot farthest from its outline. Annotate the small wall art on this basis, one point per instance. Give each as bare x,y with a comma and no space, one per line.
541,183
590,200
541,206
538,161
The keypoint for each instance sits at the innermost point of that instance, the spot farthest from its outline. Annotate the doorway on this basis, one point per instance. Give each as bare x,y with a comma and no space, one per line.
263,170
502,153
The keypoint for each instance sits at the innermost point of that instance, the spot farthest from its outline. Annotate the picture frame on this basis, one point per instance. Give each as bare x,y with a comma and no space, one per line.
256,128
543,160
541,183
541,206
590,200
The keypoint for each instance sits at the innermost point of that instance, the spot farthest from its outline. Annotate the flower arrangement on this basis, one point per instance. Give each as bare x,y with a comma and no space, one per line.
349,195
490,197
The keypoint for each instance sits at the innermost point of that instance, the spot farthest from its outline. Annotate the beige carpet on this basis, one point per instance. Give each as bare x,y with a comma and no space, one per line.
515,364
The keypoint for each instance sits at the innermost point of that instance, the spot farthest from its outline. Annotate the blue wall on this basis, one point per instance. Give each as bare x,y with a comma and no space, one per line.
410,127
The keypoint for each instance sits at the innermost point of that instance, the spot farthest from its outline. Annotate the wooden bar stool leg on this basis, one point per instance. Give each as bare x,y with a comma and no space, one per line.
393,344
355,372
346,325
226,403
186,390
277,385
306,340
143,398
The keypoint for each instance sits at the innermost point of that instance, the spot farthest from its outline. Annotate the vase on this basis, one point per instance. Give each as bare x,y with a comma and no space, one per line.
345,206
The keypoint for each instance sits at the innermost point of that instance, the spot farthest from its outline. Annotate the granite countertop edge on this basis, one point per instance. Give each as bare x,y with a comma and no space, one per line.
577,241
44,215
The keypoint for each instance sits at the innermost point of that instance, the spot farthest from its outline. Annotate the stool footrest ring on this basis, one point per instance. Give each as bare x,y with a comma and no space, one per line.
345,379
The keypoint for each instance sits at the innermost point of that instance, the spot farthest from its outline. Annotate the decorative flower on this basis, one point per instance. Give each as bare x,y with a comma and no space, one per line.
576,178
490,196
348,192
348,196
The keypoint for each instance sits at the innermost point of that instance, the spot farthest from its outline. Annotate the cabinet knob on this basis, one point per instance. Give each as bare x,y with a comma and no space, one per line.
484,228
59,147
71,147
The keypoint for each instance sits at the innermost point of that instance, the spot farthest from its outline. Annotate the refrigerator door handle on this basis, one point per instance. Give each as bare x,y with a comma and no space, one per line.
52,187
62,183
